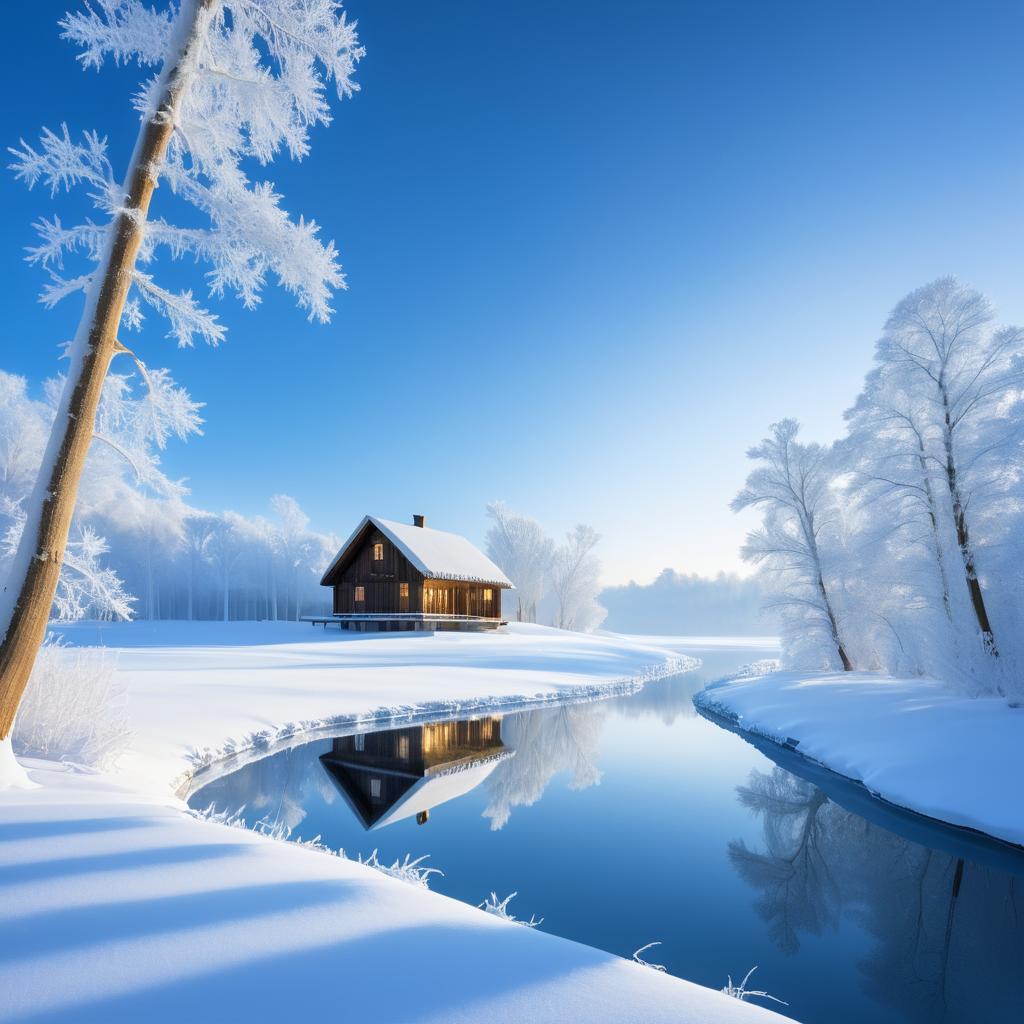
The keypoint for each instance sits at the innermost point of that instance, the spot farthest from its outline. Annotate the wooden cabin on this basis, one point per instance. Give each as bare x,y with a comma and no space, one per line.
404,773
391,575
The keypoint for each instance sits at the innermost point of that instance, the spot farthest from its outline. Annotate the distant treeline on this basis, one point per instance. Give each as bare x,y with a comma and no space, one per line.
677,603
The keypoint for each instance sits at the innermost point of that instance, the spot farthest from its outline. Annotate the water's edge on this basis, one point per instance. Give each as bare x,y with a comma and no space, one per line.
209,765
852,795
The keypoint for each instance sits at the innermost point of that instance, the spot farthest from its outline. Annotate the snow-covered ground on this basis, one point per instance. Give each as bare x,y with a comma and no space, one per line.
116,904
910,741
202,690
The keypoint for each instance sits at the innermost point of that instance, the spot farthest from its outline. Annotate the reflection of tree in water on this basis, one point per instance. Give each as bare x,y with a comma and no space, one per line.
798,892
545,743
950,941
276,789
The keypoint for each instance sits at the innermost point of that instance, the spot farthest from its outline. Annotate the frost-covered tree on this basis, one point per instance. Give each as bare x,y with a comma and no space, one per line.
955,378
122,485
890,454
576,580
792,489
227,547
197,536
24,425
237,82
292,537
86,587
521,549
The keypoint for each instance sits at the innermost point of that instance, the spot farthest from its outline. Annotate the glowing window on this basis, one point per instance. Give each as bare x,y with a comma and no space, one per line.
360,593
378,552
403,747
403,589
488,594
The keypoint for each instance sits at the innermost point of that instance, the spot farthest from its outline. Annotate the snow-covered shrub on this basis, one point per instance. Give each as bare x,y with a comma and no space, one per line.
742,993
756,669
74,708
638,959
499,908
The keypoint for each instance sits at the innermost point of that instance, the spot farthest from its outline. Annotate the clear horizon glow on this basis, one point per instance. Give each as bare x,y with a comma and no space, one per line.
593,251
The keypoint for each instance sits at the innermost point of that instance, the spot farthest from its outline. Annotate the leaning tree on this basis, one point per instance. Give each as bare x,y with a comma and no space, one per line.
791,488
237,82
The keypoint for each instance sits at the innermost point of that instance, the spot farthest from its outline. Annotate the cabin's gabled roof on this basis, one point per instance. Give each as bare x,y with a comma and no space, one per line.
436,554
438,788
416,795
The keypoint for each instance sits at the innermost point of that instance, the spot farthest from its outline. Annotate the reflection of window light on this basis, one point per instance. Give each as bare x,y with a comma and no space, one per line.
360,593
378,552
403,747
360,742
375,789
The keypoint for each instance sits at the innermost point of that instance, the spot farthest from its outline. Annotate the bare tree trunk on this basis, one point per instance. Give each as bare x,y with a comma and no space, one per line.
833,625
807,522
37,563
963,537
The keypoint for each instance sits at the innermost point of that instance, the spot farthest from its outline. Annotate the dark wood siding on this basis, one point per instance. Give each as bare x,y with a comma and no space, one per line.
380,579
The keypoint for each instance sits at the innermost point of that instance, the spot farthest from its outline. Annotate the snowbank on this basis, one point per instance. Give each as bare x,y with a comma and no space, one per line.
117,905
910,741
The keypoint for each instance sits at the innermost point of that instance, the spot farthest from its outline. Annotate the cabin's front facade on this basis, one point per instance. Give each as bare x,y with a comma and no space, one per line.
394,576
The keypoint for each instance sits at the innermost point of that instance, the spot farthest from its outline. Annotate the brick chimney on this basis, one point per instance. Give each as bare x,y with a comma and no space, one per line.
419,520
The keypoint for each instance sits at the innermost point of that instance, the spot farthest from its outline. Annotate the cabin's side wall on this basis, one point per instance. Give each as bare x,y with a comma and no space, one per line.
381,580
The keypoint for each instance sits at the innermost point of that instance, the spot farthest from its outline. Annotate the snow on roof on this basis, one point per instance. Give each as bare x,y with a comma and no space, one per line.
439,787
438,555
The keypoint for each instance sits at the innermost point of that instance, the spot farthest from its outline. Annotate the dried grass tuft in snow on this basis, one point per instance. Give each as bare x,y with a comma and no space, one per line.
643,963
407,870
742,993
499,908
74,708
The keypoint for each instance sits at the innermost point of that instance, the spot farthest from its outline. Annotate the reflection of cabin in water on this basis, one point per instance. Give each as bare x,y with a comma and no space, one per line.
393,576
402,773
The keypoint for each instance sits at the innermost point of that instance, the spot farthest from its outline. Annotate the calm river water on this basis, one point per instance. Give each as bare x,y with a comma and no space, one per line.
633,819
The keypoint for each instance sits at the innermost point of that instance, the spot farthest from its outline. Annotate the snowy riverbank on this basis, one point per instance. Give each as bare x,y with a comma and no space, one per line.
911,742
116,904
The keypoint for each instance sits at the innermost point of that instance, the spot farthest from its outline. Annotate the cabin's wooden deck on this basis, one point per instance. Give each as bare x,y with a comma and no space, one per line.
369,622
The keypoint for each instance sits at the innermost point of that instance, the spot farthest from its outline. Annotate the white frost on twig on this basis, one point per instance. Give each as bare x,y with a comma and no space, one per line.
743,993
499,908
643,963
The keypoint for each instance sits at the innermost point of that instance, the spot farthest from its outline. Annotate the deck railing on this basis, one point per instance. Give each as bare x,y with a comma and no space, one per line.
397,616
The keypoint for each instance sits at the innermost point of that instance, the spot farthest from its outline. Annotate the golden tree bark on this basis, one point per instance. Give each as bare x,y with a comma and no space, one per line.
101,318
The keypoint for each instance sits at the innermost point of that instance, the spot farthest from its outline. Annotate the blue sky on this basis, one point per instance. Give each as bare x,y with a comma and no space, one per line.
593,250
